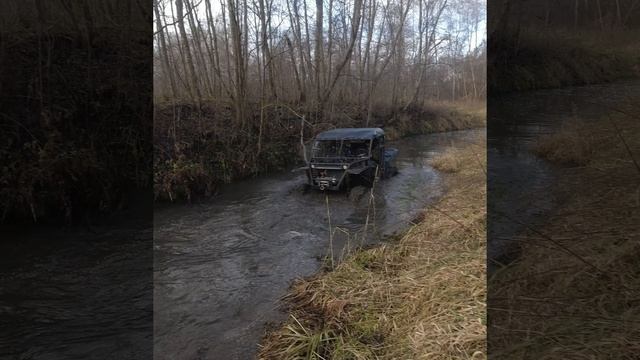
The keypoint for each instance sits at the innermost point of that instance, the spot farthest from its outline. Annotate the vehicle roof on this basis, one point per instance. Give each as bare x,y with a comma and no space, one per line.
350,133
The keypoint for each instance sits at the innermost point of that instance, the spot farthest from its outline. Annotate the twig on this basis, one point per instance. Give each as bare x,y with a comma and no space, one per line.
371,201
558,244
177,21
330,232
615,126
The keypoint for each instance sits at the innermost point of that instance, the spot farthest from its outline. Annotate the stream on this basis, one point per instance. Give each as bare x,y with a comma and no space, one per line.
221,266
520,184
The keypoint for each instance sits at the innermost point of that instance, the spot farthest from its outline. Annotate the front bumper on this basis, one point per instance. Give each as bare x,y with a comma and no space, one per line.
326,183
326,178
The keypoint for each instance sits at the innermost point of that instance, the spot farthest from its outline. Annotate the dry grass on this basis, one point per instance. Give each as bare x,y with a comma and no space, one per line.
552,58
574,144
574,293
449,161
422,297
435,117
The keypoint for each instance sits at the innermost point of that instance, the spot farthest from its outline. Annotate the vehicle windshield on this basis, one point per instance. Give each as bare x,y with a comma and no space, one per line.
340,148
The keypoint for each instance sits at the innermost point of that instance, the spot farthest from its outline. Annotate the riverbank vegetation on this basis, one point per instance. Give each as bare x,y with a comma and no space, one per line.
539,45
573,291
419,297
574,144
210,157
237,83
75,111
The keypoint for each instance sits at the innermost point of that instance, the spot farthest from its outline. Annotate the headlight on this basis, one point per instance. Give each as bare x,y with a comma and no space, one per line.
313,166
345,167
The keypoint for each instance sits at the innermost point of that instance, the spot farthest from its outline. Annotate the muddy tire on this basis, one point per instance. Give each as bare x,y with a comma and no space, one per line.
368,178
347,183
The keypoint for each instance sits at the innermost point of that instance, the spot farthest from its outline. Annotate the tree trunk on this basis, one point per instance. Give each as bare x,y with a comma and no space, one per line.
164,57
319,50
265,17
355,24
295,70
237,44
187,53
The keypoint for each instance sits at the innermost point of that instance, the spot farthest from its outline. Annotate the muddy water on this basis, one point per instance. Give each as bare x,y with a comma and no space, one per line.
78,293
221,266
520,185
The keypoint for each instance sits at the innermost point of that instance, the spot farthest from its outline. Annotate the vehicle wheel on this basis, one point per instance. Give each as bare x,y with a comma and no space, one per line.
369,179
347,182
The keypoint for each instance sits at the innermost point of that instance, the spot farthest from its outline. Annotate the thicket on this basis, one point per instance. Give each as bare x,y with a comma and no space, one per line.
556,44
208,154
75,109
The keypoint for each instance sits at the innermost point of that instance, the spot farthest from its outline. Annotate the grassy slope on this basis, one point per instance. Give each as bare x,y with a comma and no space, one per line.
574,291
557,59
420,297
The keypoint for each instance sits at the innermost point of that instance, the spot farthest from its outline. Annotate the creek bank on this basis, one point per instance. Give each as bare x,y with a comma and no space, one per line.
553,60
75,132
577,270
420,295
196,152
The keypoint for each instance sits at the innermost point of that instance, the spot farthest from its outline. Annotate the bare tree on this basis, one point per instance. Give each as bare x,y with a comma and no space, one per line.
188,55
334,55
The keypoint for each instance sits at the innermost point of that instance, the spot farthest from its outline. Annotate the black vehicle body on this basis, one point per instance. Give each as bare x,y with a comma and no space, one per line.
341,158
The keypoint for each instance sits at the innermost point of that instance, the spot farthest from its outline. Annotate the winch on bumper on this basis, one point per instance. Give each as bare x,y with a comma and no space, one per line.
327,178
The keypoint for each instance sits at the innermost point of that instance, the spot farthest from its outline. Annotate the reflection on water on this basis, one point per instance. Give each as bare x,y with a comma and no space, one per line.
221,266
77,294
